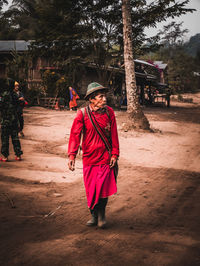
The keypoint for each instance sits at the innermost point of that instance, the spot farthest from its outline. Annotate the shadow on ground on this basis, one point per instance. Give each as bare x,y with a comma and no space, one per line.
154,220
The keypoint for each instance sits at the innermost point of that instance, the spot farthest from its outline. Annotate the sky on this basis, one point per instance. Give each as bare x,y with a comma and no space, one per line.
191,21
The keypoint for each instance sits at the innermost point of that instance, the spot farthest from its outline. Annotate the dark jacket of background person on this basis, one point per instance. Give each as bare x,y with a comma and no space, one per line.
9,118
19,105
8,104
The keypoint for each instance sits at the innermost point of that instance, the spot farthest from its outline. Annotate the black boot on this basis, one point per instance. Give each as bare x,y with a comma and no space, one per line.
94,220
101,212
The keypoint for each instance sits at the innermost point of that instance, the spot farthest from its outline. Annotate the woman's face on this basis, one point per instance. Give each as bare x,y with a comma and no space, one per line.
16,88
99,101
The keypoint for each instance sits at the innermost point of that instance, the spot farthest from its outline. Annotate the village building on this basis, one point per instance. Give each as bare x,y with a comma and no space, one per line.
149,76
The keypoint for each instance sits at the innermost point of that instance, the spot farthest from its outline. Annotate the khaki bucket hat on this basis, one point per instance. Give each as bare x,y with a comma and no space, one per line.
92,87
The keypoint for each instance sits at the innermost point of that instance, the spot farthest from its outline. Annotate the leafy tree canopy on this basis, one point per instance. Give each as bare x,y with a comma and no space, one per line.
71,31
87,21
2,3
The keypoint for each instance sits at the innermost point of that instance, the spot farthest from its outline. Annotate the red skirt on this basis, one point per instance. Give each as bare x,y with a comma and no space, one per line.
99,182
73,103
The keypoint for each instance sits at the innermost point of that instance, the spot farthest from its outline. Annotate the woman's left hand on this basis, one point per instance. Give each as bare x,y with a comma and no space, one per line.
113,161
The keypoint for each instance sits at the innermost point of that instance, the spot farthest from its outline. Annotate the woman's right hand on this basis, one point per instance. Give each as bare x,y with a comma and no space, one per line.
71,164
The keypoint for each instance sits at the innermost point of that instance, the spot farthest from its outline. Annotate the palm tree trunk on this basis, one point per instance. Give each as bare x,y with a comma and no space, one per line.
136,115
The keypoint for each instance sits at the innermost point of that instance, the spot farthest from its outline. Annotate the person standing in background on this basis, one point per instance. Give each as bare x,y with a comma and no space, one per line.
20,103
73,97
9,120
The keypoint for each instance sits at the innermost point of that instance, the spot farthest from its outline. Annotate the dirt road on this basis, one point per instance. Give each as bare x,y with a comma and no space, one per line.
153,220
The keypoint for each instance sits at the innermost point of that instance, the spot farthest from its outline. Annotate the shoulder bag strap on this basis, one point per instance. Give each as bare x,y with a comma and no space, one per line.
100,134
81,140
109,141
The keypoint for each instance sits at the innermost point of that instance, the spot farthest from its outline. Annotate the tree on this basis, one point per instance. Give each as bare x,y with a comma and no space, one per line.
172,34
192,47
17,68
133,107
181,66
84,31
91,27
4,23
23,16
2,3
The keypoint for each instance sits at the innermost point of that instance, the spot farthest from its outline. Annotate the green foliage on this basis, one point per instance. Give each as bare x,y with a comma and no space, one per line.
180,65
17,68
193,46
88,28
180,72
73,33
148,15
55,84
180,69
6,30
33,93
2,3
49,81
172,34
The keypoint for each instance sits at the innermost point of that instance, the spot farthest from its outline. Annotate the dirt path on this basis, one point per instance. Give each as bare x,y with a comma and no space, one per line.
153,220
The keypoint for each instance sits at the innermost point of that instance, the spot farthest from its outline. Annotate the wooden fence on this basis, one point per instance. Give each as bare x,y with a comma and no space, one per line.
47,102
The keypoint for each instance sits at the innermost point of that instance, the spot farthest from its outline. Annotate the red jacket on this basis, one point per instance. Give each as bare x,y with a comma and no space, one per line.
94,150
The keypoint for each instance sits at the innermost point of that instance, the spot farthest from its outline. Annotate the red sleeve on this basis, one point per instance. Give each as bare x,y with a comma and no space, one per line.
75,135
114,133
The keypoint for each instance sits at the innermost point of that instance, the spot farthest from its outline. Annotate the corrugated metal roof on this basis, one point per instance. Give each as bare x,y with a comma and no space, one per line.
18,45
143,62
160,64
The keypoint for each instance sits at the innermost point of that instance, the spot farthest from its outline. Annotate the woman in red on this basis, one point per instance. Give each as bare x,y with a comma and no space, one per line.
98,160
73,97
